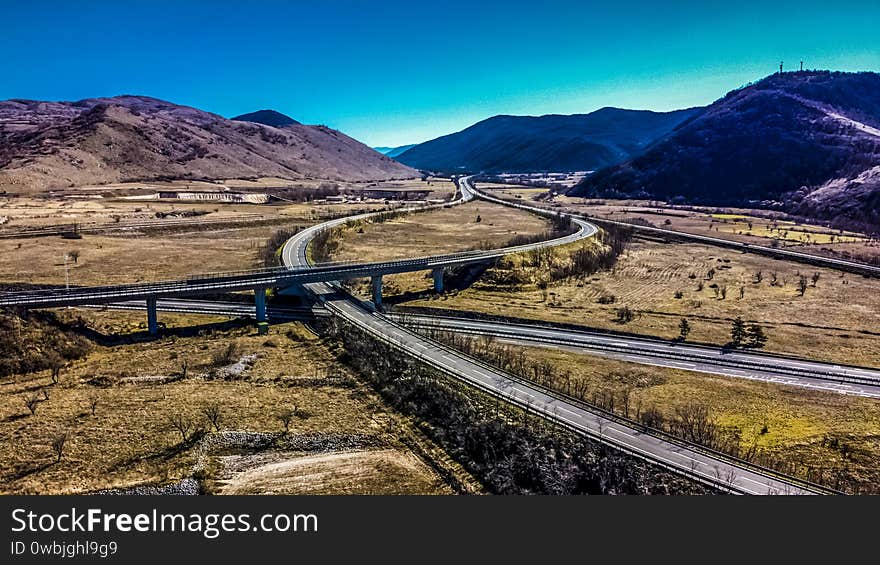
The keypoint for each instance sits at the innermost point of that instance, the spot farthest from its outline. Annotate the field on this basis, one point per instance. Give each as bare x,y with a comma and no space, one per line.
828,433
120,260
222,237
139,388
758,227
445,230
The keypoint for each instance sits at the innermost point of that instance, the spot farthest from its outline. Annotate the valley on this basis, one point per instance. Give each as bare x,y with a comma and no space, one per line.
109,192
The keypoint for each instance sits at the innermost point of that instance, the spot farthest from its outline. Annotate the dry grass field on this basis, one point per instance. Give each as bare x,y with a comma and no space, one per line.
138,388
106,259
445,230
758,227
828,432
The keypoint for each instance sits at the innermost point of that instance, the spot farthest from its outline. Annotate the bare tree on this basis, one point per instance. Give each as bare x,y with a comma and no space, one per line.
58,445
181,423
56,363
214,414
74,255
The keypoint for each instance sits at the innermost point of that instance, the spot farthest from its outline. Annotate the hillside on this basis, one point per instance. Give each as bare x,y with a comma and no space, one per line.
51,145
546,143
804,142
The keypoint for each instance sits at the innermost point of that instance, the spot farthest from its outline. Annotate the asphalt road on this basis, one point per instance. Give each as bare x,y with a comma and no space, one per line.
689,461
857,381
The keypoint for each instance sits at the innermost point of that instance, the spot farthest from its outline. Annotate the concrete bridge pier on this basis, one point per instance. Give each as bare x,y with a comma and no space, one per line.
438,280
376,282
152,317
260,302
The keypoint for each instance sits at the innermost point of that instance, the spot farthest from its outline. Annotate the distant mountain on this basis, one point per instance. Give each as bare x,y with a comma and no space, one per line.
394,151
547,143
267,118
45,145
804,142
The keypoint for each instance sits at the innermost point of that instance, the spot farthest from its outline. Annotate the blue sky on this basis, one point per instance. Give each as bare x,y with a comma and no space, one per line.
392,72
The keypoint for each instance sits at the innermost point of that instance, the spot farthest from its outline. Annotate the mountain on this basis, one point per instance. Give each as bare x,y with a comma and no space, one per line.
46,145
394,151
267,118
547,143
804,142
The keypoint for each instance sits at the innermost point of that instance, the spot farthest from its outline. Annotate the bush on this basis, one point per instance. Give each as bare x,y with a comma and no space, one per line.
227,355
624,315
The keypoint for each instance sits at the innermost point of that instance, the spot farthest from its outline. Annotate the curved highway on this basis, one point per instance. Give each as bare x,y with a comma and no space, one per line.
688,460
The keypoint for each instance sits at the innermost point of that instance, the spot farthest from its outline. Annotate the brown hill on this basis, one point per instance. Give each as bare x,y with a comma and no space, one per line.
46,145
805,142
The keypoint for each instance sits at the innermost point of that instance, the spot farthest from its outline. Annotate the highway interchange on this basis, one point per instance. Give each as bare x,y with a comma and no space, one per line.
690,460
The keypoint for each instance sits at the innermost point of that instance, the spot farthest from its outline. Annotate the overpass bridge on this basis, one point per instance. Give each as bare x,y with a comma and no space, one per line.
259,281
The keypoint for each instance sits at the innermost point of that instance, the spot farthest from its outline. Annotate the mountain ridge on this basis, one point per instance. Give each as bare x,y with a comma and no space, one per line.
129,138
552,142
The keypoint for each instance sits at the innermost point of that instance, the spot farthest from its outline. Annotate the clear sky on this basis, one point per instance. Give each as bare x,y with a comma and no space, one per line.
392,72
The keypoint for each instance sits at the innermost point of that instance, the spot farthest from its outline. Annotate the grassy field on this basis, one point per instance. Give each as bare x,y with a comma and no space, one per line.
758,227
119,260
831,433
139,387
445,230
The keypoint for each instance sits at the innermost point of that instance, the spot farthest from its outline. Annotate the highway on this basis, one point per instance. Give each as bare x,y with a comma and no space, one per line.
684,459
857,381
743,364
797,256
222,308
